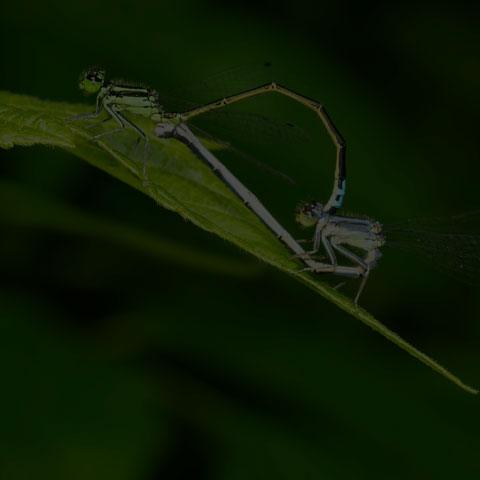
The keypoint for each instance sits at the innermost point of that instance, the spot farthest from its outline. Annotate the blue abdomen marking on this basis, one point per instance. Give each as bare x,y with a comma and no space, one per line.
340,193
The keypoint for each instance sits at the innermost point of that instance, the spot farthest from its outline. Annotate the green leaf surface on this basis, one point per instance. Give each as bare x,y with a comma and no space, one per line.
179,182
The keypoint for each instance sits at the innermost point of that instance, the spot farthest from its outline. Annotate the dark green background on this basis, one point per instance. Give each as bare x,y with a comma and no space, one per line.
115,365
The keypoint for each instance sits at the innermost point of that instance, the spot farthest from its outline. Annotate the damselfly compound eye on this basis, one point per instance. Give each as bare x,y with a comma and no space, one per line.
92,81
309,213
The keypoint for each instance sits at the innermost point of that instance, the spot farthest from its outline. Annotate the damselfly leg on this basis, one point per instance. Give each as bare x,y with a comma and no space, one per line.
182,133
116,98
336,232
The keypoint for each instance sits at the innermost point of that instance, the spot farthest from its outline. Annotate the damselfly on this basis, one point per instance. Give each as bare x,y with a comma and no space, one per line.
182,133
119,99
451,244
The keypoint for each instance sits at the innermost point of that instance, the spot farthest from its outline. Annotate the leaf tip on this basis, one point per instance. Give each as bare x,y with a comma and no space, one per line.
471,390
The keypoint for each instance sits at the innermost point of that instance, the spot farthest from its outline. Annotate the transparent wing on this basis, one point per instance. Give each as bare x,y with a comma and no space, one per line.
229,81
246,125
252,127
464,223
450,244
245,156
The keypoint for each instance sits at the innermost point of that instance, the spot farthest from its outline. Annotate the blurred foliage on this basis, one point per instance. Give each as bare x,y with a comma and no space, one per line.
119,364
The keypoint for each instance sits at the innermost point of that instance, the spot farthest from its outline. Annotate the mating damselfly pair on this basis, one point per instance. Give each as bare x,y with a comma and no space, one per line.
357,240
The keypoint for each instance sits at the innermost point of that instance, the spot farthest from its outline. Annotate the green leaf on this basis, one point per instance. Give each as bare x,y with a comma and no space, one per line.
26,124
179,182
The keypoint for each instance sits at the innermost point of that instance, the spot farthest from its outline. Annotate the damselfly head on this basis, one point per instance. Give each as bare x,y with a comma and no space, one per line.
92,81
376,227
309,213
